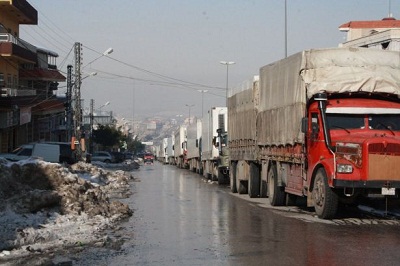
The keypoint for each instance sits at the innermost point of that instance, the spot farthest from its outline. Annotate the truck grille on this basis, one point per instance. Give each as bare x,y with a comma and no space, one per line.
384,161
380,148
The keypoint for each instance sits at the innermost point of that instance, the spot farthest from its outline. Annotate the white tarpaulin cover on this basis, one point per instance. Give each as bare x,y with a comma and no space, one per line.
286,85
242,112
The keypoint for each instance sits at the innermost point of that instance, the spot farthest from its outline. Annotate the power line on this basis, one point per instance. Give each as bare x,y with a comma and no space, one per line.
60,35
157,82
156,74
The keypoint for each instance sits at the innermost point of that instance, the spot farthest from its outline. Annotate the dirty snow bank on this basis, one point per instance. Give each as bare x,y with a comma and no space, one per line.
46,207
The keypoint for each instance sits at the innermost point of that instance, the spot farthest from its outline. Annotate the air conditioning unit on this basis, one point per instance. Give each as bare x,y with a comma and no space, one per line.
5,92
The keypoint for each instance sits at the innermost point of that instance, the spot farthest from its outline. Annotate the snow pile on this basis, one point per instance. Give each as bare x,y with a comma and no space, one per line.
45,207
127,165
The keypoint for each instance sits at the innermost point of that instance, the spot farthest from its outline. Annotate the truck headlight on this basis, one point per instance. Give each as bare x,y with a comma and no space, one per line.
344,168
351,152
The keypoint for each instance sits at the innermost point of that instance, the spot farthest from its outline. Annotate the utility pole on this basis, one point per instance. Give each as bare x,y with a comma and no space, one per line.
91,126
77,97
227,63
202,101
285,29
68,108
190,106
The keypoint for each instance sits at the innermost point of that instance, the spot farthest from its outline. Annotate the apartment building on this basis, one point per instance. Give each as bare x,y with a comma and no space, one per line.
378,34
29,108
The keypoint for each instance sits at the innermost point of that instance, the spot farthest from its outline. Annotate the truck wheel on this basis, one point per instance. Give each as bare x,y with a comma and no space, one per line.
241,188
276,194
232,177
205,171
222,178
214,173
254,181
325,200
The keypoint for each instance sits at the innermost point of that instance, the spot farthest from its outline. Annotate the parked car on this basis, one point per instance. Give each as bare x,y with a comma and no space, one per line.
48,151
67,155
119,156
129,156
103,156
21,153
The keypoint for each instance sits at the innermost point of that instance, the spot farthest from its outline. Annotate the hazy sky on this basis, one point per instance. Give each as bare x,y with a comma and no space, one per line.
167,50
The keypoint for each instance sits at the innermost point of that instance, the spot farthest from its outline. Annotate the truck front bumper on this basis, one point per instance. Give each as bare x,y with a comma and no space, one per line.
365,184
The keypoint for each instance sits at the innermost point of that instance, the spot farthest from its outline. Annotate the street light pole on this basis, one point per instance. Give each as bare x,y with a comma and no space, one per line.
202,101
190,106
227,63
285,29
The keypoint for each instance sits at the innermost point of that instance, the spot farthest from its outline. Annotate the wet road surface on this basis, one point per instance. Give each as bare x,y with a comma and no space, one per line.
181,219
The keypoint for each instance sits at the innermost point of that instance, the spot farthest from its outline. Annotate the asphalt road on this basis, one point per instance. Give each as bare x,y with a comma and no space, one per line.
181,219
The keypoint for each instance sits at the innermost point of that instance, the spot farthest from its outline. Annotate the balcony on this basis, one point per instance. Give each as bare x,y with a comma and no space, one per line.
17,48
9,92
23,12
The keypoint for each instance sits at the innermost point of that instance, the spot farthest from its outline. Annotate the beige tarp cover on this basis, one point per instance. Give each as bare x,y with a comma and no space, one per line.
243,113
286,85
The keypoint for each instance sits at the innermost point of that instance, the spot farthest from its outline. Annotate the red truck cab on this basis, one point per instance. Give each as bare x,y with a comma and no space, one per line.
354,144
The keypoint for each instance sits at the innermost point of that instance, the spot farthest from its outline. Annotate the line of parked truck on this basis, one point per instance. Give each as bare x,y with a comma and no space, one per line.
200,147
322,124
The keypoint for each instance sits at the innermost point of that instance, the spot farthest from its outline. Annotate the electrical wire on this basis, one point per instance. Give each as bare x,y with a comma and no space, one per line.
154,73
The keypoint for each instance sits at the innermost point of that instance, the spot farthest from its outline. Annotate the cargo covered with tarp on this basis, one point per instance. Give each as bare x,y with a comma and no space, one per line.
242,111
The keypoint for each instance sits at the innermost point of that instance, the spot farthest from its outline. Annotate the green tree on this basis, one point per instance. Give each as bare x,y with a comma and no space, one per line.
107,136
135,145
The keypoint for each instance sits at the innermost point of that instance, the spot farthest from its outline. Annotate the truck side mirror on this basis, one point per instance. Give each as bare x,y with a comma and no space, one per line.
197,143
304,124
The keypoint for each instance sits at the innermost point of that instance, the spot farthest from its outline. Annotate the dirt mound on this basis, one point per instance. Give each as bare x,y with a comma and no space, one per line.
32,186
47,206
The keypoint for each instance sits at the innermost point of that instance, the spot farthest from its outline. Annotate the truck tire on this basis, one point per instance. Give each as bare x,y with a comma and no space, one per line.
214,173
325,199
204,170
241,188
276,194
254,181
232,177
222,178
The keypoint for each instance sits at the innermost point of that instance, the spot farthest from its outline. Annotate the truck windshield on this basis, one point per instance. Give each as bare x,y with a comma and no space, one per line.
384,121
345,121
354,121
